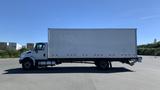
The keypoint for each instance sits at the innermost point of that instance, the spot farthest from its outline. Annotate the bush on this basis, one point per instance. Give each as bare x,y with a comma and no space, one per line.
23,50
10,53
152,45
13,53
157,52
149,51
3,54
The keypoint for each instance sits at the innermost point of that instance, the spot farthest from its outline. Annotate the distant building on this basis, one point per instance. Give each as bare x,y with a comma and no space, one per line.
30,45
14,46
24,46
3,45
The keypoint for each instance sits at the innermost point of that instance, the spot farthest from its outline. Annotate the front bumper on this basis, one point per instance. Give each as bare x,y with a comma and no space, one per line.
20,61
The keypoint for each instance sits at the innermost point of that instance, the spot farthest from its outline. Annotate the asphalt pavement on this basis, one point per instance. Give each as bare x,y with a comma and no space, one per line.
77,76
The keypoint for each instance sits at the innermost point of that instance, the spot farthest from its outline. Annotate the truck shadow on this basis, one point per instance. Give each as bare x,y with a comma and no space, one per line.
67,70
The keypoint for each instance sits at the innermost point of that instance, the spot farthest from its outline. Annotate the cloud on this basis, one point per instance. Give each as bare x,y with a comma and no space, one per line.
150,17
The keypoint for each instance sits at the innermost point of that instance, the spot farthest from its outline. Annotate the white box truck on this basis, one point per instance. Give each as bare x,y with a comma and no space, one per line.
100,46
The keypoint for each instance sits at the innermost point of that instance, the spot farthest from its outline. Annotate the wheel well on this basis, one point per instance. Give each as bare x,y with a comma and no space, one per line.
27,59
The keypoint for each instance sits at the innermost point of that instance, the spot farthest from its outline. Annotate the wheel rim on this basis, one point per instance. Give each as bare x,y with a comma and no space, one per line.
27,64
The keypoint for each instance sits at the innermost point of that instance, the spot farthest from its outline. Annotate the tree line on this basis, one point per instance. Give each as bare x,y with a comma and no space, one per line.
149,49
11,53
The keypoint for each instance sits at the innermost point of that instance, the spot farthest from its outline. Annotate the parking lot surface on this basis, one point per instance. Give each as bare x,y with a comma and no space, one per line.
77,76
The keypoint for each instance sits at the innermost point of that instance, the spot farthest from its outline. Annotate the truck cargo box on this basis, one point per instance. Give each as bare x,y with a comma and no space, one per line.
92,43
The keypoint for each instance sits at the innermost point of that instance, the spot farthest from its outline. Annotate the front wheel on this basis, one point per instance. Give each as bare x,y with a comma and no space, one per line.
27,65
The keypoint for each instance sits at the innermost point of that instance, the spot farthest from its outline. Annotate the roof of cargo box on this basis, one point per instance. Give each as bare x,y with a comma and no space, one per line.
92,28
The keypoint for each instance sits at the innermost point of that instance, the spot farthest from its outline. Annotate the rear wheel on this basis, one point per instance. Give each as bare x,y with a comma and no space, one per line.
27,65
103,64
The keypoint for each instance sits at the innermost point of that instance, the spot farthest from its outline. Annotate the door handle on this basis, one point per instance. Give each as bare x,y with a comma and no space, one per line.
44,55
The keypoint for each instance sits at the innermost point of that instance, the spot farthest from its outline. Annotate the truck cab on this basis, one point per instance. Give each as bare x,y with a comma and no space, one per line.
40,51
32,58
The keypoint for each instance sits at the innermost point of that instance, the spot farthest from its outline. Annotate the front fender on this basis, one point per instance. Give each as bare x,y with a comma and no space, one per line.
23,58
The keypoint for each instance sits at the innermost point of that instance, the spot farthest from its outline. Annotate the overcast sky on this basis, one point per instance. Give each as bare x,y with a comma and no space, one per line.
25,21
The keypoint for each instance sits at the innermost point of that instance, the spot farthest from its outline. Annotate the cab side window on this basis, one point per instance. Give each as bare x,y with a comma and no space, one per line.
40,47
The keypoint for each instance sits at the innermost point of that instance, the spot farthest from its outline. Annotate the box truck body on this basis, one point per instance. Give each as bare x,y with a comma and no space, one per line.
102,46
92,43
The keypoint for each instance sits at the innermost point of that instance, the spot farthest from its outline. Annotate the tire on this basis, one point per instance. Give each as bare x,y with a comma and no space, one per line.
102,64
27,65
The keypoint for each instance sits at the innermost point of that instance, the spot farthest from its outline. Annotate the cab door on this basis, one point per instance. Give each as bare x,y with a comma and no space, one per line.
41,51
